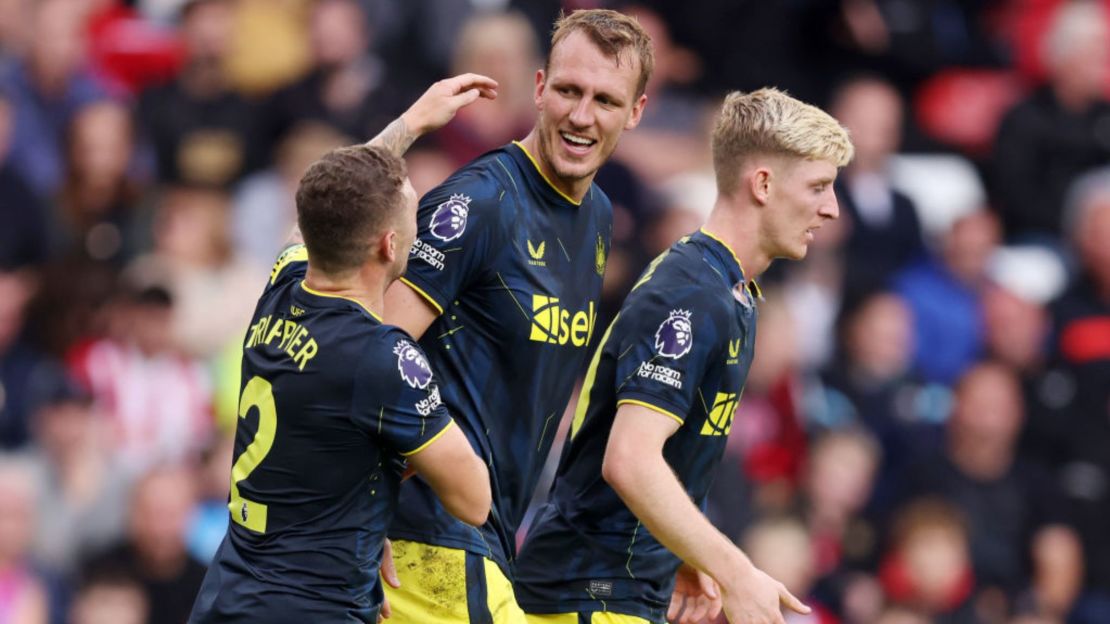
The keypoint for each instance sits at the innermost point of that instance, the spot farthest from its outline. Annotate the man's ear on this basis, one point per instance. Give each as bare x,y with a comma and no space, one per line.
387,246
637,113
541,84
759,184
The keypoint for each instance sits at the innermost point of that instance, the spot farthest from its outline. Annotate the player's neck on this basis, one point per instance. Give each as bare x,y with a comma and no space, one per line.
366,286
738,228
575,189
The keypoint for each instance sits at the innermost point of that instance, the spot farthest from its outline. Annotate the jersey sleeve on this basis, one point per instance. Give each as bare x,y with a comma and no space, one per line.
397,398
664,351
290,265
458,230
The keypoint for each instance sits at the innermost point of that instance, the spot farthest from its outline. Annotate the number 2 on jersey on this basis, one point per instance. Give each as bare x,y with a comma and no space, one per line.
258,393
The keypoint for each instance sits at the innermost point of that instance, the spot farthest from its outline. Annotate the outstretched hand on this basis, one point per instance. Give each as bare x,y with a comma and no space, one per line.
756,598
695,598
443,99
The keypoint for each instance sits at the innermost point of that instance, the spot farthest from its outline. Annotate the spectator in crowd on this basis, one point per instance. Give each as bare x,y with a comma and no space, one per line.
209,522
213,286
884,235
110,597
782,548
156,400
503,47
201,131
23,594
46,89
96,206
945,296
82,491
1017,335
871,386
671,138
1058,132
21,362
928,565
263,209
24,239
839,478
347,88
1013,512
154,551
1081,350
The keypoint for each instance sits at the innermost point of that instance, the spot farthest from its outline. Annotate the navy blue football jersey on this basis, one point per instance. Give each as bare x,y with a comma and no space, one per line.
331,402
681,345
514,267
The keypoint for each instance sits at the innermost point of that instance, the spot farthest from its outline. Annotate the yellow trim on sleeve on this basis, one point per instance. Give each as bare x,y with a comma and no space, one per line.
293,253
351,299
430,440
751,282
536,164
654,408
420,291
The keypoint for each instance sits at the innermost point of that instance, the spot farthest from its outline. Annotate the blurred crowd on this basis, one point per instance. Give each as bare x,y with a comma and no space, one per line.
925,435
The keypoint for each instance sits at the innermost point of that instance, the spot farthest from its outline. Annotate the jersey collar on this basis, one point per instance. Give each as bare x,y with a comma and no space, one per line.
727,261
547,182
337,298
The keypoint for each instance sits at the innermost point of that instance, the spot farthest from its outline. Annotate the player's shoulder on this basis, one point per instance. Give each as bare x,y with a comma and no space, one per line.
392,357
480,180
292,263
680,280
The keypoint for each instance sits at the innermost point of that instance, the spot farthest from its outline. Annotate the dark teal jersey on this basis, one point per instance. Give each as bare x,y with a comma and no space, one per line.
681,345
515,267
332,401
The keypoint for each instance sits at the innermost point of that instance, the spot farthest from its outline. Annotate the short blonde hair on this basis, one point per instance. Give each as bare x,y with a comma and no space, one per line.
613,33
769,121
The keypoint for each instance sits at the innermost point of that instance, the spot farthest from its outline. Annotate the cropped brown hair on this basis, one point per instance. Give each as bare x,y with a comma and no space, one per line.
613,33
343,200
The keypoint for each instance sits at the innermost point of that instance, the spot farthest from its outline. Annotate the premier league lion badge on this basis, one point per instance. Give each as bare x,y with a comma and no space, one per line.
449,219
412,364
675,336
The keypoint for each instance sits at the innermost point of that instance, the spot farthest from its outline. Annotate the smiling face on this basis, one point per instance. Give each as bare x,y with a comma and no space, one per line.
800,199
585,100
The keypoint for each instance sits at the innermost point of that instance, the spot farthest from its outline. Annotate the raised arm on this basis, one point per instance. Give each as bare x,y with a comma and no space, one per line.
430,112
635,468
433,110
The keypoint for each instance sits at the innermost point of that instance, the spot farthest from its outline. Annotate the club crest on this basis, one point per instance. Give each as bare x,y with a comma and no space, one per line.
449,219
412,364
675,336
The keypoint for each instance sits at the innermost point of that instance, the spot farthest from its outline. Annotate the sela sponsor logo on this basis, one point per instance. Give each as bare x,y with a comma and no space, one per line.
428,254
554,324
662,374
449,219
412,364
425,406
675,335
719,420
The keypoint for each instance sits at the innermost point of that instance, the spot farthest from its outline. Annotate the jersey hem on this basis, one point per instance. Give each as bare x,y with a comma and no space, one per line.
621,607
